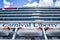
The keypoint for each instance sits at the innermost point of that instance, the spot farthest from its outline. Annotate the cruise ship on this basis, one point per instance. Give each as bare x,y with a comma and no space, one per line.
31,23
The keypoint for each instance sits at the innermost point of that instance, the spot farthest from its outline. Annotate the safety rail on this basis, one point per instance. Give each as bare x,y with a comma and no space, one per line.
44,36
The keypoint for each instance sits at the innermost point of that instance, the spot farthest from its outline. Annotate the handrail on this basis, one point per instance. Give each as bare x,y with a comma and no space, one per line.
37,21
27,17
28,11
30,14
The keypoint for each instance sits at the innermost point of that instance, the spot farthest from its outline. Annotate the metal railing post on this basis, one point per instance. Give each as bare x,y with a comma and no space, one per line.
44,33
14,35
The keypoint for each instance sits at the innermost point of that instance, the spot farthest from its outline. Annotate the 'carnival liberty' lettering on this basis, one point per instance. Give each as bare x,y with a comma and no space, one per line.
30,25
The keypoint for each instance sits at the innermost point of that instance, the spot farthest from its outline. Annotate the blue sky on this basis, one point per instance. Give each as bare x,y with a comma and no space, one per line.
1,3
18,3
